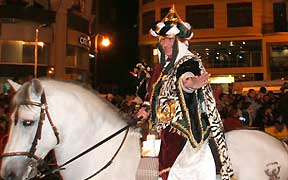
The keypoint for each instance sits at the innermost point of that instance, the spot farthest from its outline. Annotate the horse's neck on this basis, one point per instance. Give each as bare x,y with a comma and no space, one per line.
84,120
81,136
93,160
84,131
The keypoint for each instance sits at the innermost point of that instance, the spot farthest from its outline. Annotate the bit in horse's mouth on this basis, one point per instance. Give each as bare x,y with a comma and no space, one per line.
31,170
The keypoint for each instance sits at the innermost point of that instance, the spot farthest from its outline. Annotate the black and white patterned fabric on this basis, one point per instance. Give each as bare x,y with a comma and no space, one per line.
170,92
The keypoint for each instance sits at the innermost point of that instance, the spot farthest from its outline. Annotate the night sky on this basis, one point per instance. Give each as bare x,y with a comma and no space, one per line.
120,20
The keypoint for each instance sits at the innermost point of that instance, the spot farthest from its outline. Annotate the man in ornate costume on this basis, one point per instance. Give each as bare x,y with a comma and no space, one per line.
183,108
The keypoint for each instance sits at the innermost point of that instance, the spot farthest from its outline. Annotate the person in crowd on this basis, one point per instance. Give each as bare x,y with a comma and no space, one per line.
268,98
3,134
233,122
278,129
264,117
247,110
109,97
183,107
4,119
265,99
283,104
284,88
252,98
272,97
223,104
217,90
262,92
143,75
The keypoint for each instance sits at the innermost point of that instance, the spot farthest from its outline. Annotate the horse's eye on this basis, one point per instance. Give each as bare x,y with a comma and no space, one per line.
28,123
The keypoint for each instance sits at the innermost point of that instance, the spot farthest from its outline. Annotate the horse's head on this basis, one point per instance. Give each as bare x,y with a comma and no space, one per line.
32,133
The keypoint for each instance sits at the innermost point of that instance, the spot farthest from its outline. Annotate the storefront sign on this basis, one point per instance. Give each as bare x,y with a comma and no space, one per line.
85,41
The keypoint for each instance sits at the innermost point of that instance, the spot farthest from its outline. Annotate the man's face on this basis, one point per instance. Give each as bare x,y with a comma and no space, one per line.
167,44
252,94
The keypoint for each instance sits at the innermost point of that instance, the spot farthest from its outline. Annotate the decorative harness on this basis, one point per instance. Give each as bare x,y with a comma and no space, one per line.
41,162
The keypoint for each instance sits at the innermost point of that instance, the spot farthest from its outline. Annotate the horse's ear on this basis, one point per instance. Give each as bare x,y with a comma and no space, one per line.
15,86
37,88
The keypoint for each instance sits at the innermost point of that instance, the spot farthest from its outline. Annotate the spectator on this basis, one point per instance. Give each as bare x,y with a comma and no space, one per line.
262,92
218,89
264,117
247,110
252,98
232,122
222,105
278,129
283,105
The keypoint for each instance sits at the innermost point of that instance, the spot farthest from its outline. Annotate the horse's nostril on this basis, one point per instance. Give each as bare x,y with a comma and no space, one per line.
11,176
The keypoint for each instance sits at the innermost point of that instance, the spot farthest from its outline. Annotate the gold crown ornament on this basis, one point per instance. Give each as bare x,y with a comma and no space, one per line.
172,26
172,16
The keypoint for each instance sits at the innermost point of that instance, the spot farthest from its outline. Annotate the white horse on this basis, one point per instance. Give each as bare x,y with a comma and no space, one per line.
81,119
256,155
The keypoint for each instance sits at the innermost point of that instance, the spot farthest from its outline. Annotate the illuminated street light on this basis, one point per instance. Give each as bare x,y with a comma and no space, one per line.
105,42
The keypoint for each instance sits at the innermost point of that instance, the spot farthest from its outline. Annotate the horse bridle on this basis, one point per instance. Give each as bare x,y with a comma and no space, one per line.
44,110
31,154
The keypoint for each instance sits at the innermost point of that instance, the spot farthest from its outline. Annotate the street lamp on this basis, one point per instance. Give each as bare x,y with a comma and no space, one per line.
36,44
104,42
36,52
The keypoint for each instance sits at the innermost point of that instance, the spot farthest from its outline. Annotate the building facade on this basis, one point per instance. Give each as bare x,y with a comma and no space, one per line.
243,39
46,37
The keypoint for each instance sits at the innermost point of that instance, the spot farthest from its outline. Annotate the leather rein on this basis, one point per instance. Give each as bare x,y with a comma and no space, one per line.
41,162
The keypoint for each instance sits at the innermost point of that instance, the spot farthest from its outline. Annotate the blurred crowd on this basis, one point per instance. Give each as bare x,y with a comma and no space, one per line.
4,118
263,110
